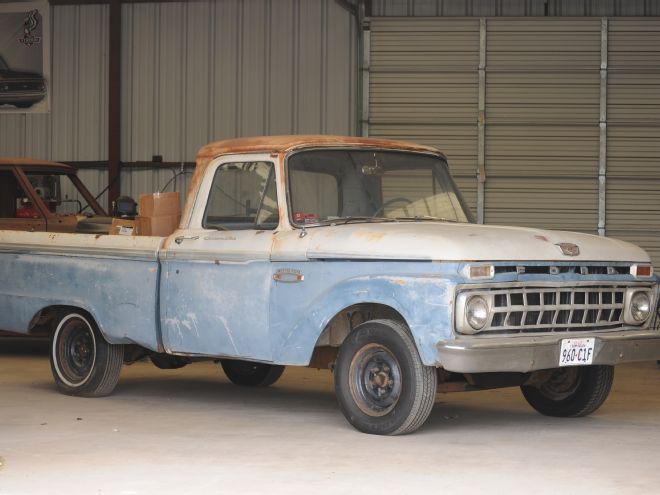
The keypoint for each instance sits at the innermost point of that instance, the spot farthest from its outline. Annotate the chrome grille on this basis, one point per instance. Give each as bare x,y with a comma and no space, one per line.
549,308
541,309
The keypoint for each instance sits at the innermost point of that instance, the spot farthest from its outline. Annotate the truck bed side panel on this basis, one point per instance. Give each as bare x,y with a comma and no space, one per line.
114,278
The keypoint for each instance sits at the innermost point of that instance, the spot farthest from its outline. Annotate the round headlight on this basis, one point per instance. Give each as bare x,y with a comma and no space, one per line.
640,306
476,312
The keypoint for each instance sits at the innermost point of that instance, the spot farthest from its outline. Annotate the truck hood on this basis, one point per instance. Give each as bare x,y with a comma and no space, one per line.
462,242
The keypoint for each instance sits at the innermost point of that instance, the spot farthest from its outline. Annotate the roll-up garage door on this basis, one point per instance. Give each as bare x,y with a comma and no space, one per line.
423,86
542,112
544,103
633,132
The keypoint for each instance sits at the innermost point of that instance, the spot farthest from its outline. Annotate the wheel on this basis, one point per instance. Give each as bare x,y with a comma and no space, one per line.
381,384
570,392
82,362
168,362
249,374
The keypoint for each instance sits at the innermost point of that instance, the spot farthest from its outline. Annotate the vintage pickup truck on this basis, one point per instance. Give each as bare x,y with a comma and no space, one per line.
357,255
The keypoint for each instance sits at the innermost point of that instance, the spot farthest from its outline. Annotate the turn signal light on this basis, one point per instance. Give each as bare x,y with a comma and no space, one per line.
482,271
641,270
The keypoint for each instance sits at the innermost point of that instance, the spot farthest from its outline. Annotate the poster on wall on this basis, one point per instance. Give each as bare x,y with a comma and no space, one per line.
24,57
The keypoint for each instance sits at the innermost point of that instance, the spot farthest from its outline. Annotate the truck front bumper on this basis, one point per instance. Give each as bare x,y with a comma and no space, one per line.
522,354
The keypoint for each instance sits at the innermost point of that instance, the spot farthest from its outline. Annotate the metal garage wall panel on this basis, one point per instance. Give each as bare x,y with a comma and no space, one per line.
396,98
542,151
234,68
12,134
542,113
79,89
561,203
634,97
543,44
633,151
634,43
483,8
633,135
515,97
425,44
423,88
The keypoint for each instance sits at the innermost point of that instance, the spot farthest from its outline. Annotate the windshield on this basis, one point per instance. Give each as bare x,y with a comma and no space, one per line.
331,186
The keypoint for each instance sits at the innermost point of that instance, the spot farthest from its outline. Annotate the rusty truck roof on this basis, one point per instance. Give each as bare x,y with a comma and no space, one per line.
283,144
35,163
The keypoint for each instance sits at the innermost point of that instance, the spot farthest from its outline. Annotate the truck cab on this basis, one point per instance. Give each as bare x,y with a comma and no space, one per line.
39,195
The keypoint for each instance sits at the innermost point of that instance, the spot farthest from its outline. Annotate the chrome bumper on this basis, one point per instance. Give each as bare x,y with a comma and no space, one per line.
522,354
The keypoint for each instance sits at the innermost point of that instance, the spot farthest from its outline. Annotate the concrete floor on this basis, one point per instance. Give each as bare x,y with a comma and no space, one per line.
190,431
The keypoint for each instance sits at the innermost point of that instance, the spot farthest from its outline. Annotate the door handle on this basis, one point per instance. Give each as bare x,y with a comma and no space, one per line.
182,238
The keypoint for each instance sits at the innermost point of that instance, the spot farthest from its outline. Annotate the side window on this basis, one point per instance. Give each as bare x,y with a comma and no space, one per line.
243,196
14,203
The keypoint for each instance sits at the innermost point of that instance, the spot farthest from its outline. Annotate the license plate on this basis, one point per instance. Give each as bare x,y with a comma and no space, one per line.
576,352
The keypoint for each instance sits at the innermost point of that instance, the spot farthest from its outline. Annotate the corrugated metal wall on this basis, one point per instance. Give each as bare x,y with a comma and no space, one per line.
192,72
543,105
633,132
491,8
423,88
542,114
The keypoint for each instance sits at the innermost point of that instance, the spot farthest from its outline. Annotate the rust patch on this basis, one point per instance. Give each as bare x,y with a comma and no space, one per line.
541,238
98,236
370,236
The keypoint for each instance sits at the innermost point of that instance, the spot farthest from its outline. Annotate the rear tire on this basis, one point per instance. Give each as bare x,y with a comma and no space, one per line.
382,386
249,374
571,392
82,362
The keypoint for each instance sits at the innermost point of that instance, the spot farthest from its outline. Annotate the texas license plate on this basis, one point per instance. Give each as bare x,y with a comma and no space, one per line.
576,352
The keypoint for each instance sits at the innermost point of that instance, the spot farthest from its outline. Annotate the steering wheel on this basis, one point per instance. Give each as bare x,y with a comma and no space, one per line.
392,201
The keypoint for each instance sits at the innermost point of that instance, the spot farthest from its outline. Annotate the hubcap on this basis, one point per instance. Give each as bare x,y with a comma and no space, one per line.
562,383
75,351
375,380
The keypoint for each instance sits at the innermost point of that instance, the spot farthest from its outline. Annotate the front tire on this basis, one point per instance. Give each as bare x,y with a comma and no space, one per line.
249,374
570,392
82,362
382,386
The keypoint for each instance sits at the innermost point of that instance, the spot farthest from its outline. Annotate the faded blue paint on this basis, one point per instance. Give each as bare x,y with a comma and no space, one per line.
237,309
422,292
119,293
216,308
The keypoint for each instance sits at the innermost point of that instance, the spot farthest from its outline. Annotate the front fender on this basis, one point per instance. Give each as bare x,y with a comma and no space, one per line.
424,301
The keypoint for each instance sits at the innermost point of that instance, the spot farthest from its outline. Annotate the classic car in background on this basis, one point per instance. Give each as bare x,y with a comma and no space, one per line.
20,89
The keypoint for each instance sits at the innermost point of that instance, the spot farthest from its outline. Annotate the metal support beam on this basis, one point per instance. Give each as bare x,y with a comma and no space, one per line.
602,155
364,68
481,123
114,103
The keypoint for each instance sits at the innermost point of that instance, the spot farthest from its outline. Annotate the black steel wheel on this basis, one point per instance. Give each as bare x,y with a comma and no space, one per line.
571,391
381,384
82,362
249,374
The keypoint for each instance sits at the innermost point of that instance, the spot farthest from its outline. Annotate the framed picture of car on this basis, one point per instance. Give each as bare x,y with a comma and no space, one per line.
24,57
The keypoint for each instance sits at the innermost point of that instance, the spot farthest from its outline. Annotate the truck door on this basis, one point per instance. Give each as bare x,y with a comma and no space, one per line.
217,276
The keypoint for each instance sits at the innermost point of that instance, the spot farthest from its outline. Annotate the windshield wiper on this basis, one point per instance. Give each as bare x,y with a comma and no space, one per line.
426,218
355,219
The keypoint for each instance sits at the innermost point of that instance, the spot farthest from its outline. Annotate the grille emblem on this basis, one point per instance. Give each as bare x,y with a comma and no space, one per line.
568,248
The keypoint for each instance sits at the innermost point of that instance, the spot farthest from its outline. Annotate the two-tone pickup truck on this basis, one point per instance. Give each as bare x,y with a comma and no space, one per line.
358,255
